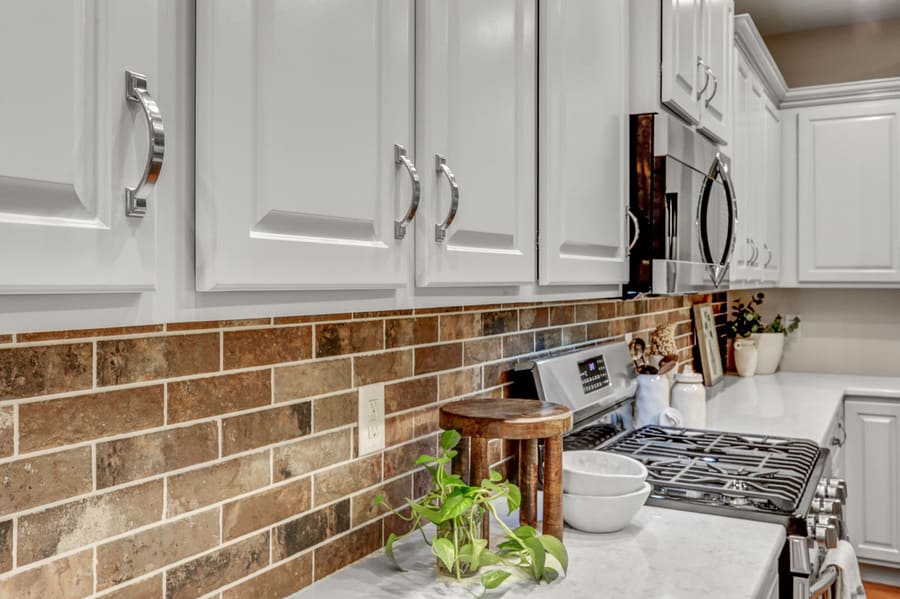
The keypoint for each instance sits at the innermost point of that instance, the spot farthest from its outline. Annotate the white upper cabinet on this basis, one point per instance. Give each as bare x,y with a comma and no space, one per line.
583,141
742,161
770,257
475,141
300,109
716,53
74,140
849,192
681,69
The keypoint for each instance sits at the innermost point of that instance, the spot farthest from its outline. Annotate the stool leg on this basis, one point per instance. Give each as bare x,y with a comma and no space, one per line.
528,481
553,522
478,452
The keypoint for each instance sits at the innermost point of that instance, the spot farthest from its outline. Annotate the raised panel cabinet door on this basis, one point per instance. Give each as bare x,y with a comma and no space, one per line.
770,257
300,107
583,99
475,141
718,47
682,76
72,142
757,207
873,478
742,167
849,193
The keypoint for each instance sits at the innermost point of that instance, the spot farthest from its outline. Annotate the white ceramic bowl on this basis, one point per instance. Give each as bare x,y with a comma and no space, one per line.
603,514
600,473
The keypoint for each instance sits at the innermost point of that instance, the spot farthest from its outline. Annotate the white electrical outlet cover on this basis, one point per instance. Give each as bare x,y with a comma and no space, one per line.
370,418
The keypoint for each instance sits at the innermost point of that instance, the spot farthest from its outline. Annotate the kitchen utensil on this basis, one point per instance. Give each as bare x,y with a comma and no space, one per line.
599,473
592,513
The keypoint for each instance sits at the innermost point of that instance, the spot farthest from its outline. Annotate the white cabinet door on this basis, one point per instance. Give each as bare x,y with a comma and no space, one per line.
873,478
475,108
299,108
72,143
716,53
681,73
583,127
849,193
742,166
770,257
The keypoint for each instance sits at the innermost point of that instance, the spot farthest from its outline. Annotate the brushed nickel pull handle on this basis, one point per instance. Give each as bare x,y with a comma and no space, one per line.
440,165
755,256
714,91
637,230
708,72
136,197
401,159
768,255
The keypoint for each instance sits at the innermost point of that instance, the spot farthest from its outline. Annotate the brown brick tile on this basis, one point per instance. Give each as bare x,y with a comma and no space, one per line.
393,524
31,371
400,332
279,582
70,420
264,509
598,330
336,339
125,559
304,532
6,546
383,367
632,307
459,382
348,549
213,570
148,358
6,339
585,312
314,378
34,481
517,345
498,373
482,350
250,431
500,321
193,490
574,334
395,492
335,410
608,310
426,421
258,347
547,339
561,315
149,588
533,318
460,326
83,333
69,577
345,479
79,523
399,429
400,460
434,358
313,318
218,324
6,431
311,454
410,394
125,460
211,396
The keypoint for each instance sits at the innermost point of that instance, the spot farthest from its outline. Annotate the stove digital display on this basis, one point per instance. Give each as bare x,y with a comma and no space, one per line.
593,374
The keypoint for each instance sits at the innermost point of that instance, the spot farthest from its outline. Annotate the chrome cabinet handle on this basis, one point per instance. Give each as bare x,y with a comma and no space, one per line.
714,91
708,72
637,231
440,166
755,255
400,159
136,197
768,255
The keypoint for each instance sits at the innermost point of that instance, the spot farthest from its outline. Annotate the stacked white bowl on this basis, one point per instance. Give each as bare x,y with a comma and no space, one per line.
602,491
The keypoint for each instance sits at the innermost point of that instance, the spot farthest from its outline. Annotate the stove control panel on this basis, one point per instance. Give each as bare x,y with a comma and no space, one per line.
593,373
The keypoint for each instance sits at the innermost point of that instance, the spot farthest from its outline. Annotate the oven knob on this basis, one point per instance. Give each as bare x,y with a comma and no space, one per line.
827,535
832,488
834,507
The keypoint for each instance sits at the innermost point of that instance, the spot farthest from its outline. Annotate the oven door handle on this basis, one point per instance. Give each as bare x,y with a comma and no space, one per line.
826,585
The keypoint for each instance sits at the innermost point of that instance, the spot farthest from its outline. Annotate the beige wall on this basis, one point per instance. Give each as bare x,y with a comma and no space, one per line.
838,54
850,331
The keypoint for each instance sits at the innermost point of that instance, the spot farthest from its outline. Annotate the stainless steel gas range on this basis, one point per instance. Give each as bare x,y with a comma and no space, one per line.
757,477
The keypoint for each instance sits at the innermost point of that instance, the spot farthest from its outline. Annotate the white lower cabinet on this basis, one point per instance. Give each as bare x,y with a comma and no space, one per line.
872,464
583,142
848,169
74,139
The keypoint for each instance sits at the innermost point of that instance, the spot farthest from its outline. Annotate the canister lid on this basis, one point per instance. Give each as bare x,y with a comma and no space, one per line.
688,376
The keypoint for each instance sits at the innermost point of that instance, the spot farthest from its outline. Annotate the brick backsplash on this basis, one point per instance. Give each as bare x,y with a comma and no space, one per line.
218,458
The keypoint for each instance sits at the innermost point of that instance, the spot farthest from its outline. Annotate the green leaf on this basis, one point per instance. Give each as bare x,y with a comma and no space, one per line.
538,556
471,553
525,531
389,551
426,512
489,558
456,504
550,574
449,439
508,546
495,476
425,459
494,578
379,500
555,548
514,497
443,549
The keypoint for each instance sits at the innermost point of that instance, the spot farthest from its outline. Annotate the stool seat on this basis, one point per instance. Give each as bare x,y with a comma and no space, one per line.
492,418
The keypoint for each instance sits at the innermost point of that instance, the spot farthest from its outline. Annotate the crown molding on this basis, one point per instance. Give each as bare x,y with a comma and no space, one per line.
853,91
749,40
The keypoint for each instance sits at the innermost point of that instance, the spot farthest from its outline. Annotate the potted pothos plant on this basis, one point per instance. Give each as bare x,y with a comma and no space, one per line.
768,338
456,510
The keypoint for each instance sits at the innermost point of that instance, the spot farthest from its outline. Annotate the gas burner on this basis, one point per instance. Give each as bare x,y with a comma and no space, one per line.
590,437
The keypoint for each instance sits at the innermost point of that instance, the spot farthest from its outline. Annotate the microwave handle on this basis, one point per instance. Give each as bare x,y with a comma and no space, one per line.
717,268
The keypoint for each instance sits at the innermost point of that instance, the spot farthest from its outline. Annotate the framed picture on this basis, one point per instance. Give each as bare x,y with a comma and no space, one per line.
708,343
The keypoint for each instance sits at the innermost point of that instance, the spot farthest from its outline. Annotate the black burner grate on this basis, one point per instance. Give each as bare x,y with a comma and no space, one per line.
590,437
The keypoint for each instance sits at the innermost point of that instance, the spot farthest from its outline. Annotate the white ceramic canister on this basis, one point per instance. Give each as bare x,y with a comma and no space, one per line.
689,398
652,398
746,357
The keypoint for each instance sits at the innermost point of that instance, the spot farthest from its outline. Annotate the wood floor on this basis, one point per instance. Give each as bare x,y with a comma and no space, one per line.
880,591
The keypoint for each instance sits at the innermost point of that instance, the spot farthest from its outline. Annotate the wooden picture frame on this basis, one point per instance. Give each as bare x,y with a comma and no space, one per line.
708,344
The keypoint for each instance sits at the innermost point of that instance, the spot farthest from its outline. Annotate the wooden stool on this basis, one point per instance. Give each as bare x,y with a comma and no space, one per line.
525,420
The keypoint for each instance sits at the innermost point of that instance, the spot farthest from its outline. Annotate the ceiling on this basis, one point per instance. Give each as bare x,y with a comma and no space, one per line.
784,16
